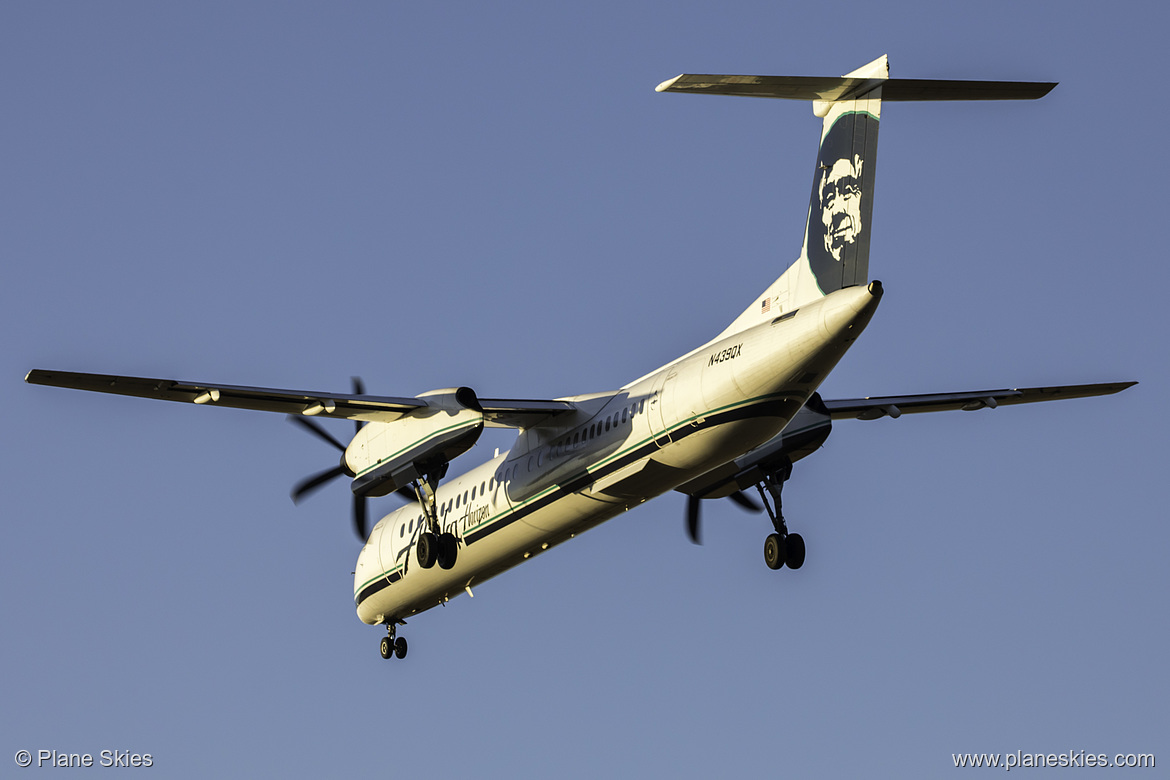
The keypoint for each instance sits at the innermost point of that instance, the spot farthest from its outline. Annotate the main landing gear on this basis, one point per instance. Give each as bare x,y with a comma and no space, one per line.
781,547
392,647
434,544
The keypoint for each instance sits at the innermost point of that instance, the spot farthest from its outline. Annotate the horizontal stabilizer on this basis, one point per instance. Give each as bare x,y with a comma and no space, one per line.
837,88
897,405
370,408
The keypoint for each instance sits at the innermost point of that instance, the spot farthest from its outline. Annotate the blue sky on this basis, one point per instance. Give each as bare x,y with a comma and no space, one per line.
492,195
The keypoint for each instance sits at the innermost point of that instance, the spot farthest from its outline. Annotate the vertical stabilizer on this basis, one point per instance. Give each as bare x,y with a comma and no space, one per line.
835,253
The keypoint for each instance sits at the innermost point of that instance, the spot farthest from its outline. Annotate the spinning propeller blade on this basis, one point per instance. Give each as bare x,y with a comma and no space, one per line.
315,428
359,388
693,524
746,501
693,519
359,517
312,483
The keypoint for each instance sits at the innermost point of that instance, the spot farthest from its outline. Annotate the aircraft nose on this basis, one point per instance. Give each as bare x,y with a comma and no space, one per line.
364,570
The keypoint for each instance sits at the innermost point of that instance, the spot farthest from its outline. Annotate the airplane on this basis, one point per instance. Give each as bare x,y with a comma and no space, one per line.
734,413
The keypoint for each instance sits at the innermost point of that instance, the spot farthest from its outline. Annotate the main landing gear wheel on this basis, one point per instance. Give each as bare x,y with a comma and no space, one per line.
427,549
399,647
780,548
434,545
448,550
775,551
387,647
794,554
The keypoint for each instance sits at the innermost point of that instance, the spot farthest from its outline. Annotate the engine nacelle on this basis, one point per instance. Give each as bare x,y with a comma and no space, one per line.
387,456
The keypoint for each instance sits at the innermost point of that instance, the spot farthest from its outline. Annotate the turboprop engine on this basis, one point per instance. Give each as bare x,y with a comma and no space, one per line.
385,457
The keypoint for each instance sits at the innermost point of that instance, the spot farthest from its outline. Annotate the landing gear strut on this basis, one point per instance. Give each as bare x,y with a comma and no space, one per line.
391,647
434,544
781,547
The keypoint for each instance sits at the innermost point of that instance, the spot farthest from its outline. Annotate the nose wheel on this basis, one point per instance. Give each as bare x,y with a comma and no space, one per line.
392,647
780,548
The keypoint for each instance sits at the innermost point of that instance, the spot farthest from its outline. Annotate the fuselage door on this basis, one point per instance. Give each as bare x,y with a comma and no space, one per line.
395,538
661,405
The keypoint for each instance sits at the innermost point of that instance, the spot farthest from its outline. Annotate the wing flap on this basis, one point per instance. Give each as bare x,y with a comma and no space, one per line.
897,405
510,413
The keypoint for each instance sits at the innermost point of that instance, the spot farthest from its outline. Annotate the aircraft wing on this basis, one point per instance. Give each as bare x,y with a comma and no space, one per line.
813,423
896,405
500,413
371,408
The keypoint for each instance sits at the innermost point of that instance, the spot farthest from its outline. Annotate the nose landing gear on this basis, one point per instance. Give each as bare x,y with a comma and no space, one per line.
392,647
780,548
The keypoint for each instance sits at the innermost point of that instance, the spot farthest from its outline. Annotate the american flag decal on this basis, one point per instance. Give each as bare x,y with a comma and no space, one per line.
765,306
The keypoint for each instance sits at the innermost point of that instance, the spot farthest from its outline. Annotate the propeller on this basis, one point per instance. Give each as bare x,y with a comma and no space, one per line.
314,482
738,497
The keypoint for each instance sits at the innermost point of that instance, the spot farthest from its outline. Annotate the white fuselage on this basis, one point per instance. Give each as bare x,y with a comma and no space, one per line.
618,450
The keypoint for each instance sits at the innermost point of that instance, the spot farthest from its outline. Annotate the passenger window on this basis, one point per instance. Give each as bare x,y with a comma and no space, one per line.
607,419
623,414
641,405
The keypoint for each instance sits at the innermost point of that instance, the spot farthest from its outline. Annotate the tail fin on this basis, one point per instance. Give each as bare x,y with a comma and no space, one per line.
835,253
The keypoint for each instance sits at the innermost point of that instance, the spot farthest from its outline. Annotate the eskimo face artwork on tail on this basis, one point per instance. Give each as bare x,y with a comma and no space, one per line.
839,189
837,237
